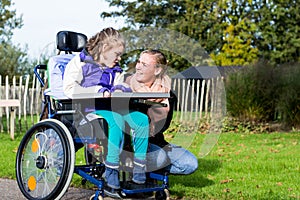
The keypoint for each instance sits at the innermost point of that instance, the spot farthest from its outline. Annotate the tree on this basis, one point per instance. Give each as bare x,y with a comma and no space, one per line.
8,20
256,29
278,32
237,49
168,16
13,60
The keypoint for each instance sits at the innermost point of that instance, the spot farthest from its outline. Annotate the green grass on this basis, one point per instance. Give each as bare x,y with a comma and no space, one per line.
240,166
245,166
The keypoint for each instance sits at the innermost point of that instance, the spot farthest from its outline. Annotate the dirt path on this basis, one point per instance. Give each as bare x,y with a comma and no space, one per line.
9,190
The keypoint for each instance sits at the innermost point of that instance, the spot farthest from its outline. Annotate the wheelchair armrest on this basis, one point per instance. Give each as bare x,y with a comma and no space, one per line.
41,66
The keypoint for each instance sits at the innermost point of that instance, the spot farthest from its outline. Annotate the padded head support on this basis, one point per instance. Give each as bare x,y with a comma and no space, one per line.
70,41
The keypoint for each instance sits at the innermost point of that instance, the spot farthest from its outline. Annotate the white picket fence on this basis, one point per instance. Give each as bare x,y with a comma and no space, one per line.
28,91
197,99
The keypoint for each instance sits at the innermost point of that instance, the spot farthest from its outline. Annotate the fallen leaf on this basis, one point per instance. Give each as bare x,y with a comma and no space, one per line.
226,181
279,184
226,190
15,150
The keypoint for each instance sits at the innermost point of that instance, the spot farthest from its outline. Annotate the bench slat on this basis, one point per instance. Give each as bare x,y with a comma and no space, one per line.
10,103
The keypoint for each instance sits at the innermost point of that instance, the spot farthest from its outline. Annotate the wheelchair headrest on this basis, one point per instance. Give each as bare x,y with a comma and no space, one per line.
70,41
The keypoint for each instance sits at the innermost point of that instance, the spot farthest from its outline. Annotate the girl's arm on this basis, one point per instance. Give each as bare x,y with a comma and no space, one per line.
73,77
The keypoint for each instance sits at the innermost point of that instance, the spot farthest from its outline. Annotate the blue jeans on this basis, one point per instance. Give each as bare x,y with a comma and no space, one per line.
138,122
175,159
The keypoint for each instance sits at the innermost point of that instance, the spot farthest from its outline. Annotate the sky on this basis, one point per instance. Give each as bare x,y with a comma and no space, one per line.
42,19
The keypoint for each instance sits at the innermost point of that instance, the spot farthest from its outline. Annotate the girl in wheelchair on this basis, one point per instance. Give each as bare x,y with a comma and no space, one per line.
96,70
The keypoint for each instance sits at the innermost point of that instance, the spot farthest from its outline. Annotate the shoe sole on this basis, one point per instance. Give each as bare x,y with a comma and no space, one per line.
113,194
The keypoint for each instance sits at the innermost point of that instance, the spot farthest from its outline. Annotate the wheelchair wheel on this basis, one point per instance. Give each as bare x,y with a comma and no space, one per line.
45,161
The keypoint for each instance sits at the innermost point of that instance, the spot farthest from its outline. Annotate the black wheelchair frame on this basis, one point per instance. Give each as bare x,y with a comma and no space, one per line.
46,156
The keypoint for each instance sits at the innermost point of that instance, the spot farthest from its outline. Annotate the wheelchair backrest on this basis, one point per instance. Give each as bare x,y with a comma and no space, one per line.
68,42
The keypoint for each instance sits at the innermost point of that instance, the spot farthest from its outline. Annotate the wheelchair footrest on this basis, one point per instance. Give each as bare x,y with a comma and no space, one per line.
132,188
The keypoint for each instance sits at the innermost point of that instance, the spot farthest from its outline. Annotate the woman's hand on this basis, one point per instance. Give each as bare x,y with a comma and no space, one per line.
120,88
106,94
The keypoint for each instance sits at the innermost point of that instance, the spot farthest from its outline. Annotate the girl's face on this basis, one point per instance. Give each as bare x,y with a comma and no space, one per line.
111,55
146,69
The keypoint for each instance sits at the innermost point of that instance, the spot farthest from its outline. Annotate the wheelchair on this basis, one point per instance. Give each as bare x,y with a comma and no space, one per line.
46,157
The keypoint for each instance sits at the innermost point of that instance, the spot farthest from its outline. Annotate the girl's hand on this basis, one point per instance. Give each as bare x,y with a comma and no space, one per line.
105,91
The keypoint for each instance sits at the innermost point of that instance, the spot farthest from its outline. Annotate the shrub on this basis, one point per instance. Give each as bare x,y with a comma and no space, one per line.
288,104
263,93
250,93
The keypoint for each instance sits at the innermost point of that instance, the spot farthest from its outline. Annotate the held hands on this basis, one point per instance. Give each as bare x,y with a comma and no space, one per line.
120,88
117,88
105,91
106,94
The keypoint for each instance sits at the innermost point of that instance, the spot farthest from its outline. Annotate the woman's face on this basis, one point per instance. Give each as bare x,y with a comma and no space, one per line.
146,70
111,55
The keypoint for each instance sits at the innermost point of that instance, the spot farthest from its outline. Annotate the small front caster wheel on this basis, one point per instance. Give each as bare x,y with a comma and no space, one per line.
162,195
99,197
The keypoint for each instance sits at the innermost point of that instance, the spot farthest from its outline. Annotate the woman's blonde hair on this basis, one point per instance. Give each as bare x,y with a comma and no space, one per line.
108,36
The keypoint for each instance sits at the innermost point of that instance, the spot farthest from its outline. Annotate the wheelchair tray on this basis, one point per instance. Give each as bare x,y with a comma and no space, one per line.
135,95
117,101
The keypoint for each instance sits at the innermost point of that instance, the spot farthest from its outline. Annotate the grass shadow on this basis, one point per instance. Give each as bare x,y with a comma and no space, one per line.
198,179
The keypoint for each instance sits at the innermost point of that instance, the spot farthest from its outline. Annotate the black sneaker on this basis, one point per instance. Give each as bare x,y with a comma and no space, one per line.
131,185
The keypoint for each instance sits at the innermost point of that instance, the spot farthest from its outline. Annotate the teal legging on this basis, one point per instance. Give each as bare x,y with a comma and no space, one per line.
138,122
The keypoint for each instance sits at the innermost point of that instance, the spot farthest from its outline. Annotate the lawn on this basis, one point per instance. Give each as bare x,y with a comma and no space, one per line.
240,166
245,166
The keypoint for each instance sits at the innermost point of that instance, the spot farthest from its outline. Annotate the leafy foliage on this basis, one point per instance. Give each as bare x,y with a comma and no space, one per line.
232,32
238,49
180,49
278,32
8,20
13,59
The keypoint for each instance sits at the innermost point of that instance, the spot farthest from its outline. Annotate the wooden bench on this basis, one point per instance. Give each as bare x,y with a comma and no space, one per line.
12,103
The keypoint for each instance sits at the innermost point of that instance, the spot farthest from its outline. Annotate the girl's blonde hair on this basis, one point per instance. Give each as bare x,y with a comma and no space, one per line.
108,36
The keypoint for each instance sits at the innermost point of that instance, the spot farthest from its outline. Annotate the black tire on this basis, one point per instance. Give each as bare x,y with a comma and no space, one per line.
45,161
